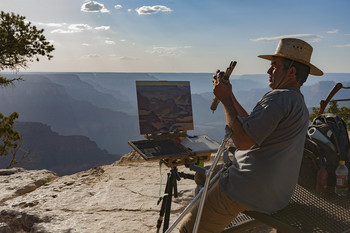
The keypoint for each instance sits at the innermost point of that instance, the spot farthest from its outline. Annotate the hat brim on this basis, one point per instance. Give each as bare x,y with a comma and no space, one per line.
313,69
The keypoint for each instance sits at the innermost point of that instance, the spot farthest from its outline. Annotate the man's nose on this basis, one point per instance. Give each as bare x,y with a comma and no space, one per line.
269,71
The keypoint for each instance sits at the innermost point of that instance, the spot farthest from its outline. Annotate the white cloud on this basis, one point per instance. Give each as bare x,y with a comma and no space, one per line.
125,58
93,6
75,28
129,10
122,40
103,28
306,37
109,41
94,56
71,28
86,44
57,25
333,31
118,6
148,10
342,46
63,31
79,27
167,51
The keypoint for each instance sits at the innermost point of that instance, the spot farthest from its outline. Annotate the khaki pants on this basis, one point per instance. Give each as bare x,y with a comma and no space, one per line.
219,210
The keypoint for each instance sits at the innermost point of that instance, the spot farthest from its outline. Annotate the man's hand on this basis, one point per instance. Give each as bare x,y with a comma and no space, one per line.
223,91
222,88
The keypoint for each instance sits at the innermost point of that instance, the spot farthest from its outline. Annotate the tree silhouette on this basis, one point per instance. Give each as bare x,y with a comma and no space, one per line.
20,43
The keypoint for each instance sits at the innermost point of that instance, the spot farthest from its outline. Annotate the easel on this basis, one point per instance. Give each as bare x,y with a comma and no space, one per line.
188,158
172,177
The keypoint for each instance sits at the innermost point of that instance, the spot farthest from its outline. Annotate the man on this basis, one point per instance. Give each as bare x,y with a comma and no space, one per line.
269,142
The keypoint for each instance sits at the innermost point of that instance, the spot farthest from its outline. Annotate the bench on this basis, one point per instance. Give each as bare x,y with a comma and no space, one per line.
307,211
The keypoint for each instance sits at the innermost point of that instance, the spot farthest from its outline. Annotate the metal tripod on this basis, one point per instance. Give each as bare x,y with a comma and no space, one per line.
203,192
170,191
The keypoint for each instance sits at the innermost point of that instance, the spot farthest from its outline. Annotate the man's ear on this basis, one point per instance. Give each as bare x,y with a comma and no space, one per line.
292,72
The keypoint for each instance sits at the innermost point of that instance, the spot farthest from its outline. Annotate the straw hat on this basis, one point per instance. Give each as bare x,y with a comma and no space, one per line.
296,50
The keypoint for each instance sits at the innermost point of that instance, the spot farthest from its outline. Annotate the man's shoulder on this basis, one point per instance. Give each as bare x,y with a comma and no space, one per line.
283,98
287,92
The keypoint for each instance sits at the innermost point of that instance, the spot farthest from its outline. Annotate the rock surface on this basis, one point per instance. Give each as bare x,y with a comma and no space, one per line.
121,197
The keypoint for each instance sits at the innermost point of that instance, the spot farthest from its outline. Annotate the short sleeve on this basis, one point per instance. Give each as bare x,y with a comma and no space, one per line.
263,120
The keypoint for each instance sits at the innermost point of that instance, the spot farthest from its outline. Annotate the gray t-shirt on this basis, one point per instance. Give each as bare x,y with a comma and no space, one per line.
263,178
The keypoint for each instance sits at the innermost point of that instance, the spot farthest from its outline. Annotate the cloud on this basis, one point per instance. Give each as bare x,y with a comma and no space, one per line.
333,31
93,56
75,28
125,58
57,25
72,28
79,27
107,41
86,44
118,7
149,10
342,46
129,10
103,28
63,31
306,37
167,51
93,6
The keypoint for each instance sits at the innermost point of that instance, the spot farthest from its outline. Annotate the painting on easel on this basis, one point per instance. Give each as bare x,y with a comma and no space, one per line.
164,106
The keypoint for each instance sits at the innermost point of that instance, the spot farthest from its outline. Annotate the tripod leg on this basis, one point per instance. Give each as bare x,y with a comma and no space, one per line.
168,200
164,202
176,177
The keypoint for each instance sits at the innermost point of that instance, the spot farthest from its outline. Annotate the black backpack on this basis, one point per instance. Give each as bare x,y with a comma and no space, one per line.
327,142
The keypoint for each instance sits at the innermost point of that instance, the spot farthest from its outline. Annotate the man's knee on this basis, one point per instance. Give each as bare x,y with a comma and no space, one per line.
200,177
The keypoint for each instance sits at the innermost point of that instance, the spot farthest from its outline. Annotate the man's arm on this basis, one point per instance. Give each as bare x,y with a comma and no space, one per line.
223,91
240,110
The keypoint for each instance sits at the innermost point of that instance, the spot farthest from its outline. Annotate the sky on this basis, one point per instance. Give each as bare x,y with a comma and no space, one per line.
184,35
